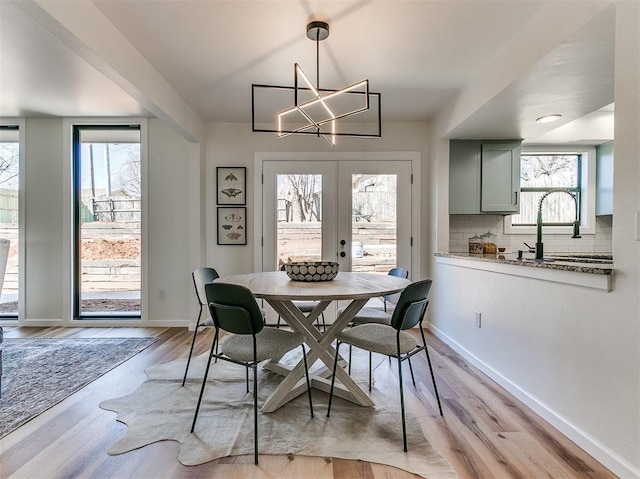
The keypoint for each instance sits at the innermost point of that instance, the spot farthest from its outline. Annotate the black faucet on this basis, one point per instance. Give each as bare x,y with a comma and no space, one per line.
576,224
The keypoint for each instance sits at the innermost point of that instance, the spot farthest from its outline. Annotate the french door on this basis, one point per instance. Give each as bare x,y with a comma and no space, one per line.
358,213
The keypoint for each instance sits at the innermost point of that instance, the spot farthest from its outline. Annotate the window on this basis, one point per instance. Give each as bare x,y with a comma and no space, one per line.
9,220
543,170
542,173
108,222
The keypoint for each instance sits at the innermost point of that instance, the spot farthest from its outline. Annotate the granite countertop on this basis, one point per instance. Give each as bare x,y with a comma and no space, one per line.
581,263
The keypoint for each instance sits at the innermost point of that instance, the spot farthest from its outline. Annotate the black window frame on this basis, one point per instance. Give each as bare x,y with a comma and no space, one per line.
577,190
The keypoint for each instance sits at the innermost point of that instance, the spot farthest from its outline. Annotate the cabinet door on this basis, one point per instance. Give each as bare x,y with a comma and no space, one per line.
500,172
464,177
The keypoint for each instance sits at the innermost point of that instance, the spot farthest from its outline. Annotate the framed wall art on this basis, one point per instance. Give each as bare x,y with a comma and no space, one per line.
231,183
232,225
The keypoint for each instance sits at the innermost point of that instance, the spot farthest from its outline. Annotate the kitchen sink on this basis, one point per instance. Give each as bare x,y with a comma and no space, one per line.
599,259
593,259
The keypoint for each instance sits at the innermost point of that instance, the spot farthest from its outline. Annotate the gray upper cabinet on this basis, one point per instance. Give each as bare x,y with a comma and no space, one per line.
464,177
484,177
604,179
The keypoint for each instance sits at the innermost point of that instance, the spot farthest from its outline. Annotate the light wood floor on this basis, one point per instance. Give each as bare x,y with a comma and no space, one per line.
485,432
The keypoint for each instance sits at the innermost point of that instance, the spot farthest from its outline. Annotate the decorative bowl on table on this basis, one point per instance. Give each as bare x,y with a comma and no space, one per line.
311,270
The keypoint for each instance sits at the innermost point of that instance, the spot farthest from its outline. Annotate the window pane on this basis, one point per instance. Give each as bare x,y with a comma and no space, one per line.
551,171
299,228
9,188
374,220
557,208
110,223
547,172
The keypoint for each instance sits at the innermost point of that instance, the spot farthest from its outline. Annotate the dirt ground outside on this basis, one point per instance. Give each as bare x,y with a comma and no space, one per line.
97,249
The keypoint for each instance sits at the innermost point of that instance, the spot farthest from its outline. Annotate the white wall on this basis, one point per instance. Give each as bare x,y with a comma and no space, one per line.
235,144
570,353
171,238
44,220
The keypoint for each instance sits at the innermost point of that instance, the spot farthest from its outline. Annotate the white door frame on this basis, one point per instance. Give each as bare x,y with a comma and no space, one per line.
413,156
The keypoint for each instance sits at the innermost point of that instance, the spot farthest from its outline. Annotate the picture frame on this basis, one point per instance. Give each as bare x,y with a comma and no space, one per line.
232,225
231,185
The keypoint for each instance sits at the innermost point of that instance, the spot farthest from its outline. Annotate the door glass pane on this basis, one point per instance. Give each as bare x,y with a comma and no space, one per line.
373,223
110,222
9,187
299,218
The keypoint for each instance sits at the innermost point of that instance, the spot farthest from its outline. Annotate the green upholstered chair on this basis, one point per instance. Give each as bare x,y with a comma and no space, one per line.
368,315
392,340
375,315
234,310
202,276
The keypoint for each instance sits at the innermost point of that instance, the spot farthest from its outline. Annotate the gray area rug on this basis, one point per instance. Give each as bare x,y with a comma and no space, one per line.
163,410
41,372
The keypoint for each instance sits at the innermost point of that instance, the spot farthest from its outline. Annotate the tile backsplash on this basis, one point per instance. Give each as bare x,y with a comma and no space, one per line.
462,227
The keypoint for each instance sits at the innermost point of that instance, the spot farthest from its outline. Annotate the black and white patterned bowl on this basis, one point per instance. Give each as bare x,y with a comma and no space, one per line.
311,270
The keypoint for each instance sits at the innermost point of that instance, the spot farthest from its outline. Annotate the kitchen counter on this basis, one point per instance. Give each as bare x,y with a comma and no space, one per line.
594,264
589,271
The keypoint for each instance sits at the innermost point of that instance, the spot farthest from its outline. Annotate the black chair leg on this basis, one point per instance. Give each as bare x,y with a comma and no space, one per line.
193,342
306,372
333,378
255,411
204,379
349,365
404,425
247,378
413,379
433,377
369,371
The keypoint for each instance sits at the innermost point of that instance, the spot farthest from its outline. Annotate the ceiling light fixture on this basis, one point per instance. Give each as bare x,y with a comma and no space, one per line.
549,118
316,110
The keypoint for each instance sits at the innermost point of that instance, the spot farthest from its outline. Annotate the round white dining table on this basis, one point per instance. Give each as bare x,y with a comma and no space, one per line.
280,292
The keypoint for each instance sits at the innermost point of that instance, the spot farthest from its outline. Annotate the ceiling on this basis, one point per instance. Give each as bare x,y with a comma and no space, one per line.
421,56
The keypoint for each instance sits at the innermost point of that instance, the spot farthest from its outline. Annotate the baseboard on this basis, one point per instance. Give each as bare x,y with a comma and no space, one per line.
101,323
169,323
598,451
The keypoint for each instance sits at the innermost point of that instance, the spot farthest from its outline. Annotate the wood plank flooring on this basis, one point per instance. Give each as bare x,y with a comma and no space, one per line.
485,432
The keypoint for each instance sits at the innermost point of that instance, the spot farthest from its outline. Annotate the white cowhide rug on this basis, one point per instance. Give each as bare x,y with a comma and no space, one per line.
160,409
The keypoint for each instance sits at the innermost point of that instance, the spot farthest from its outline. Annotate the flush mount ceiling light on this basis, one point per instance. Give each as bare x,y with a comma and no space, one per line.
315,110
549,118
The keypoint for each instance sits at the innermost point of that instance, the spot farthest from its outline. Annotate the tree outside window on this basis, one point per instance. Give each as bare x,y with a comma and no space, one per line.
542,173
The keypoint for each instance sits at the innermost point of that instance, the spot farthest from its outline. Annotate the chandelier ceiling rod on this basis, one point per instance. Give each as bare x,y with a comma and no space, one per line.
318,59
318,31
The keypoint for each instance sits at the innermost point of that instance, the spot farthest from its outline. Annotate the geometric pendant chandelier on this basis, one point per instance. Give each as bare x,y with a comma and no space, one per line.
314,110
